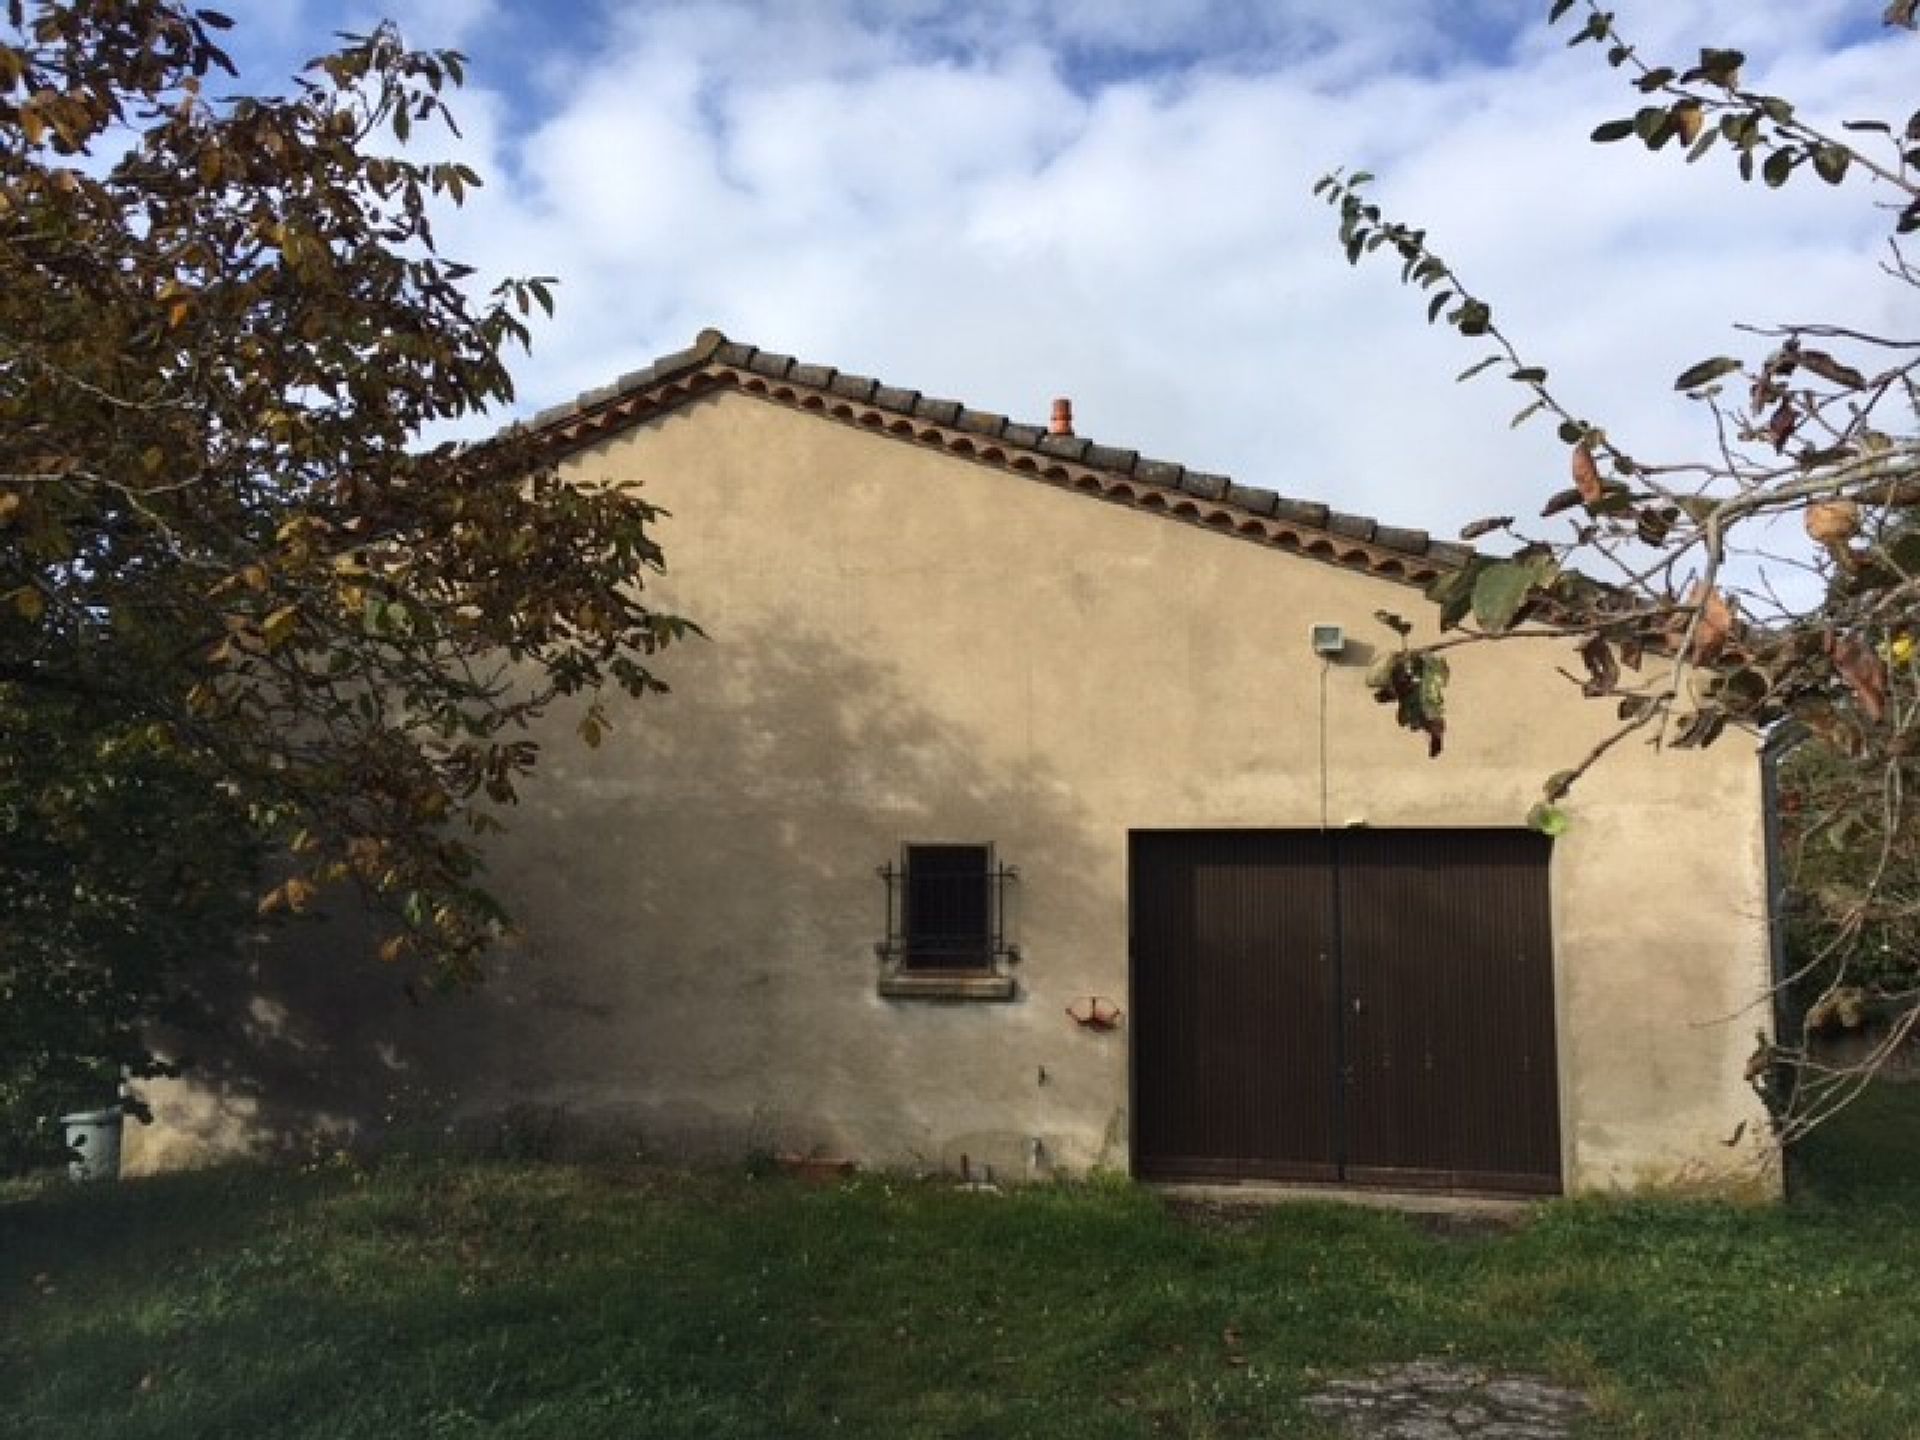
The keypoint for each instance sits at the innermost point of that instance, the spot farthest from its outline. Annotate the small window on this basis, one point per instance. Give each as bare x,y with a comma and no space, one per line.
945,925
946,936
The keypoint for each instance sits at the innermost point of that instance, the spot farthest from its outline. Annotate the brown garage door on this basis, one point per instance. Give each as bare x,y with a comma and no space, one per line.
1373,1007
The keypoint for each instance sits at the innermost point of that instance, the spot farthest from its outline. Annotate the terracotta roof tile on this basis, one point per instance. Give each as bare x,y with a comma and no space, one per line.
1252,497
1068,447
1357,527
1252,512
854,387
1108,457
937,412
774,367
981,422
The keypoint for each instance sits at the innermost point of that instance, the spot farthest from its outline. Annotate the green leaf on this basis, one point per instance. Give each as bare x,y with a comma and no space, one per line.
1694,376
1830,163
1722,67
1503,589
1452,591
1475,369
1779,165
1434,673
1548,819
1611,131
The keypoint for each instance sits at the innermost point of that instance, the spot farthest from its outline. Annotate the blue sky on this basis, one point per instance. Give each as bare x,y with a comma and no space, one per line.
1009,200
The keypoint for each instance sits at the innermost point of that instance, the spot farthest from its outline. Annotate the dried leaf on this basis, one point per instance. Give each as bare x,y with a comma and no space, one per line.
1854,662
1603,671
1712,629
1781,425
1473,530
1559,501
1833,522
1586,475
1695,376
1828,368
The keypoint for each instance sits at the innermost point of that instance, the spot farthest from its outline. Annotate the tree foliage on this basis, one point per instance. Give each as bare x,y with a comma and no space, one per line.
229,574
1690,613
124,867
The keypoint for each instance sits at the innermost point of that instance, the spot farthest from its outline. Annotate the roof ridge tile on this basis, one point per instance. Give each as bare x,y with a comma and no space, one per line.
711,348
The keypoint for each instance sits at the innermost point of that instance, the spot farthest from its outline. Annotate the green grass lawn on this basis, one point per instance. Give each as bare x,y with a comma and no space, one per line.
509,1299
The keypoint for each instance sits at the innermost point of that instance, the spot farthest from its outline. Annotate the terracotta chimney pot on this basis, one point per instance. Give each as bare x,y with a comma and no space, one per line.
1062,422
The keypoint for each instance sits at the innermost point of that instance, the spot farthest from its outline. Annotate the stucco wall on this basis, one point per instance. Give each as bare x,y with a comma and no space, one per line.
908,646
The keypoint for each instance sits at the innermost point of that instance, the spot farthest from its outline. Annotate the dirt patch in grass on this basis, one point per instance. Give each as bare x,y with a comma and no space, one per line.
1431,1400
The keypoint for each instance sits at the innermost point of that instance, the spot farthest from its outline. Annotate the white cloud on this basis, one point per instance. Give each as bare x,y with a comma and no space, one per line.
1014,199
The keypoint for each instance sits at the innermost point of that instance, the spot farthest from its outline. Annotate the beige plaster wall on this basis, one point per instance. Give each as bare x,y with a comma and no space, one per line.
908,646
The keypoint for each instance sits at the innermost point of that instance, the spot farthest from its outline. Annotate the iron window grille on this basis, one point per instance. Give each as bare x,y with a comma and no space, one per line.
946,909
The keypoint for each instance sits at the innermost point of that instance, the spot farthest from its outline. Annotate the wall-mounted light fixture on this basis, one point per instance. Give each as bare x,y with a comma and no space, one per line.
1329,640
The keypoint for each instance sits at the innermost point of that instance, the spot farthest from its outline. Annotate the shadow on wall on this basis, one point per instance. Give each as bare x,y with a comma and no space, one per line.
698,974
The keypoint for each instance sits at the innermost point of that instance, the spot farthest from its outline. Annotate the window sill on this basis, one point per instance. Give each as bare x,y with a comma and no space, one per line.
945,985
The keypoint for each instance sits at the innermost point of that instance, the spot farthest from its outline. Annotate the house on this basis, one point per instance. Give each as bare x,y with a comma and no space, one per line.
1013,817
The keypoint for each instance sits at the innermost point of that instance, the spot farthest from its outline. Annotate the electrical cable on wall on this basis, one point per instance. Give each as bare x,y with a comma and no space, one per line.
1326,664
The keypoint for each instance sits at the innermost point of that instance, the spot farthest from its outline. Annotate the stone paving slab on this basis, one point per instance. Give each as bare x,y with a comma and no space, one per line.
1434,1400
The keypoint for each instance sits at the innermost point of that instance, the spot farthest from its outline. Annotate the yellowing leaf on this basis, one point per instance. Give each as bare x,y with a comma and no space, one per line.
278,627
29,603
10,503
177,313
